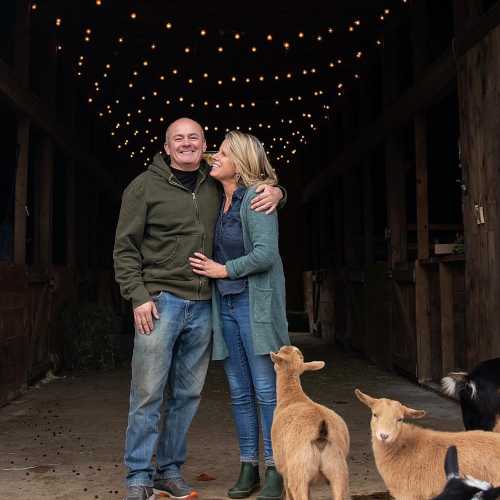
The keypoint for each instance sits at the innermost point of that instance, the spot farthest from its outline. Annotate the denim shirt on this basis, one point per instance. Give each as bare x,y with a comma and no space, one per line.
228,242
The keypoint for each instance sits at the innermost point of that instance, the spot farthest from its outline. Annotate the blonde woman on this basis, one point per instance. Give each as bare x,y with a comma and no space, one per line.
249,318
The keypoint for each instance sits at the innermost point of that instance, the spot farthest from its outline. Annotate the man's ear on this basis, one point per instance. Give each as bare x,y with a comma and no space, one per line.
166,148
313,365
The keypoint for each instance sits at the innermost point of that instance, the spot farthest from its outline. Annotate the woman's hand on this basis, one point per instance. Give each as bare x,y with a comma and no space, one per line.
201,264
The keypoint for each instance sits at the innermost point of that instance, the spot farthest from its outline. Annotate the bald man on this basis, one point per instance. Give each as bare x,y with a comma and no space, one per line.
168,213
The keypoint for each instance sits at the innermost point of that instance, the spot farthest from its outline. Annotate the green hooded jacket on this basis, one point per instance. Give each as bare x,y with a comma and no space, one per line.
161,224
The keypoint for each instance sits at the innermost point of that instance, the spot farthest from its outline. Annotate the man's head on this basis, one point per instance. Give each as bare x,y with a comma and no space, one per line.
185,143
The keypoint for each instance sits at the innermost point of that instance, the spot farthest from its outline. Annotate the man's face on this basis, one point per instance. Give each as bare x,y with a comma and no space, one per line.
185,144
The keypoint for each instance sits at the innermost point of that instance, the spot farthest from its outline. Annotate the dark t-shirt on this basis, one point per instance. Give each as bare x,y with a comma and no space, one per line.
186,178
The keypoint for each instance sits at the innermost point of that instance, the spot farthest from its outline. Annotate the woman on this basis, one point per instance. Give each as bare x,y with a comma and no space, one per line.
249,317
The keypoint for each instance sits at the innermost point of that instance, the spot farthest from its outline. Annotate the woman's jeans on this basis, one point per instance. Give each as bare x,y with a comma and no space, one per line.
252,381
168,371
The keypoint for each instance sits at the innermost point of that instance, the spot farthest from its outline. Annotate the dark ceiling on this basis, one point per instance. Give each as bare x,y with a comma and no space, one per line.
276,70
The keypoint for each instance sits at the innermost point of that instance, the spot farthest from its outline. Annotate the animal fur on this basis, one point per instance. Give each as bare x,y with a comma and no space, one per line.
310,441
410,458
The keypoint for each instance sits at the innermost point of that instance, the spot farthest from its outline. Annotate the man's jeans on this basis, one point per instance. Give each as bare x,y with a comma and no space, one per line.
169,367
251,379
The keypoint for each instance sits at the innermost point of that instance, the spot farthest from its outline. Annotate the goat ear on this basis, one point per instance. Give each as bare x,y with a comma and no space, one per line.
277,359
364,398
313,365
411,413
451,463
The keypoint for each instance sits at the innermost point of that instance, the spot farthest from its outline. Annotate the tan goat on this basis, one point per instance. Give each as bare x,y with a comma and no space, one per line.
310,441
410,458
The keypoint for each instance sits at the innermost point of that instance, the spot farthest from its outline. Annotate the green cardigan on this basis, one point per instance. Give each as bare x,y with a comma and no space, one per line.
266,282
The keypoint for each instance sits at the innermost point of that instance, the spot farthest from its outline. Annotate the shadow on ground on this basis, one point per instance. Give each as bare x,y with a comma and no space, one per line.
64,439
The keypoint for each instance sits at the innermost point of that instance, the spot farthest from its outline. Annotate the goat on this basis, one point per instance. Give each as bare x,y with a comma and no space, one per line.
310,441
479,394
410,458
467,488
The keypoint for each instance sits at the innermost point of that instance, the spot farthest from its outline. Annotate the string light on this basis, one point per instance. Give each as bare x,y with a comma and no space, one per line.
228,79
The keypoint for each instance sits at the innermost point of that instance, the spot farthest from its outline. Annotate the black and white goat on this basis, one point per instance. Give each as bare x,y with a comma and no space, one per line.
479,394
467,488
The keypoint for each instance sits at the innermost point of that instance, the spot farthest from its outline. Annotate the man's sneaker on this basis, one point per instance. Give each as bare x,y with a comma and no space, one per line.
174,488
139,493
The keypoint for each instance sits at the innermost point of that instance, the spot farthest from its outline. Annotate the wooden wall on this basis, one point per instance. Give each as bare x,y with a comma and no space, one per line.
403,305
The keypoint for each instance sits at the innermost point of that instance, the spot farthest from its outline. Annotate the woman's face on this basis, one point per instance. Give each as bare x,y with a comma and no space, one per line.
223,167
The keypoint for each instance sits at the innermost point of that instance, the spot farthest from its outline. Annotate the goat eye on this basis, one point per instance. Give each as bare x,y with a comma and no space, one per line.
400,419
375,415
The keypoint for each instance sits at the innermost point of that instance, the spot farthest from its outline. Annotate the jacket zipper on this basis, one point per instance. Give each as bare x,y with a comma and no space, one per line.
173,181
197,209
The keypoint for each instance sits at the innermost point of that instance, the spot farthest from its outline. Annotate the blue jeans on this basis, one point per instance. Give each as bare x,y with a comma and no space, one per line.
169,367
251,377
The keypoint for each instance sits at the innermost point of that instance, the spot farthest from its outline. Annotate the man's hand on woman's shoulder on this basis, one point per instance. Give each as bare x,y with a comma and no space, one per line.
267,198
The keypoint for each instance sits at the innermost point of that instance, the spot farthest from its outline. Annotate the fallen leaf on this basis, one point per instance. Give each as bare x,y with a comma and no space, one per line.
205,477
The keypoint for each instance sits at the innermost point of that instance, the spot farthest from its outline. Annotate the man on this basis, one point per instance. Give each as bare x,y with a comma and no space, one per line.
168,213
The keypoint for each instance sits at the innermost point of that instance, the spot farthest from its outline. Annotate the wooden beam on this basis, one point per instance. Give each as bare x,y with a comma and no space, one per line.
424,92
447,301
28,104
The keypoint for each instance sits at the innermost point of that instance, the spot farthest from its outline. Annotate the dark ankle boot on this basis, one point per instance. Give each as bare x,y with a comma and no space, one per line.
247,483
273,485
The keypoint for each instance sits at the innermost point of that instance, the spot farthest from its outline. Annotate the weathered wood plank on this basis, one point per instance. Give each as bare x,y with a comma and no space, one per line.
447,296
23,141
423,323
479,100
424,92
28,104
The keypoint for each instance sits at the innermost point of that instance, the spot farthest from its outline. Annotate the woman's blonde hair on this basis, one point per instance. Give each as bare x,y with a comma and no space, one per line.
250,159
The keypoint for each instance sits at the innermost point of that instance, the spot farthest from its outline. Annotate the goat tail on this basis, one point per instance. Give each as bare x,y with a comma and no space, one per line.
322,438
456,382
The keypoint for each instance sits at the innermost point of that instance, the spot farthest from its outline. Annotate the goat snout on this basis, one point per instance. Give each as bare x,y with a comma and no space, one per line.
383,436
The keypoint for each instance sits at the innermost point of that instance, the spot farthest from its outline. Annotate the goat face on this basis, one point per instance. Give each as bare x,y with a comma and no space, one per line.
387,416
289,359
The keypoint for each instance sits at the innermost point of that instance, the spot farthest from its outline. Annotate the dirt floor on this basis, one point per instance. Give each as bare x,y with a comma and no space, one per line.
64,439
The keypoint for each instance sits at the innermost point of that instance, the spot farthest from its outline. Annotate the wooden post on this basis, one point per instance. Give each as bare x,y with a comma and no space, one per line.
366,115
47,161
350,194
447,317
22,48
420,128
478,78
422,285
71,215
21,63
395,171
23,143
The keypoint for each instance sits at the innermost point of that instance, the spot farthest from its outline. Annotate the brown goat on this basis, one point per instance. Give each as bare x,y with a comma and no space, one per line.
410,459
310,441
